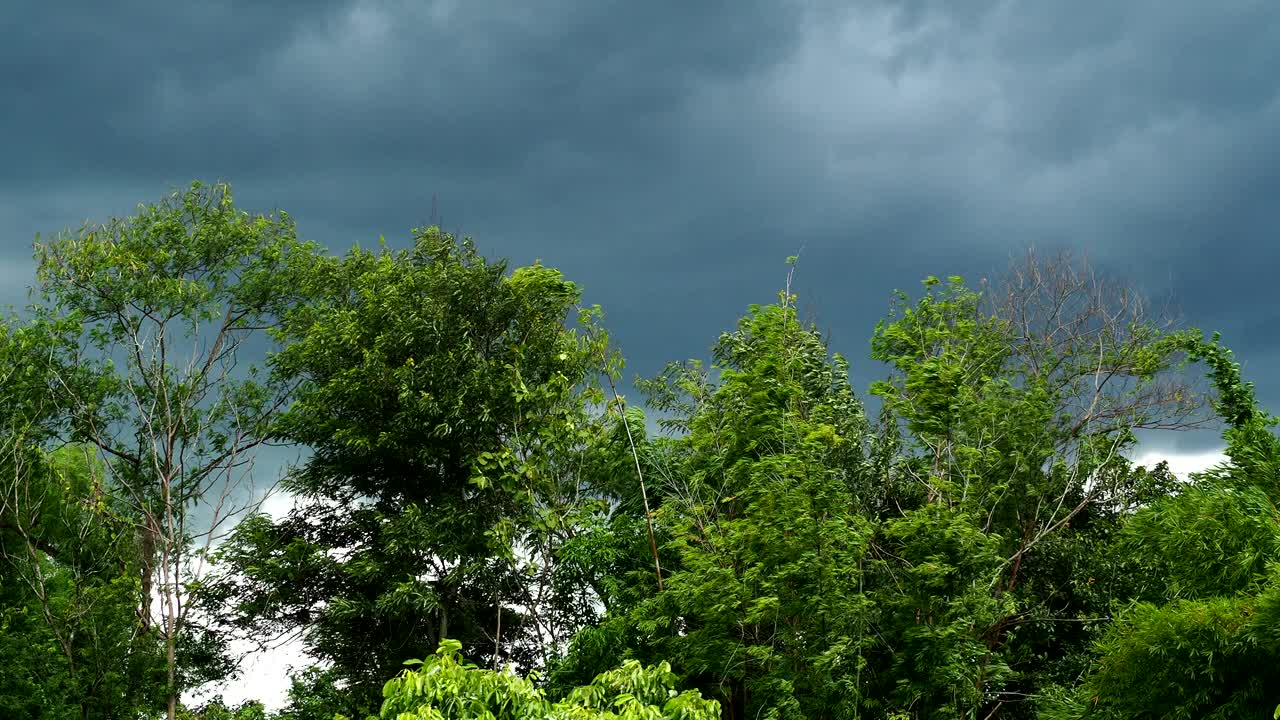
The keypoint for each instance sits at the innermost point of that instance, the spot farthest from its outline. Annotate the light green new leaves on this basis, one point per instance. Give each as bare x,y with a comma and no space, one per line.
445,687
767,545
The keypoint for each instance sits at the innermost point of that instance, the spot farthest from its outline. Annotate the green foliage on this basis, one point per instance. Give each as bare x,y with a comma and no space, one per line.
936,614
69,567
1206,646
984,549
442,400
216,709
958,559
444,686
189,279
1019,407
162,303
316,694
764,541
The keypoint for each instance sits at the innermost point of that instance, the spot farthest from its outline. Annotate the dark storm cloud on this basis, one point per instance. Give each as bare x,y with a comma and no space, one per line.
668,156
456,89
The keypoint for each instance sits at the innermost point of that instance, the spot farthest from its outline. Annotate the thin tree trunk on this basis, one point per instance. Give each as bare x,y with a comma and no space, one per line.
171,650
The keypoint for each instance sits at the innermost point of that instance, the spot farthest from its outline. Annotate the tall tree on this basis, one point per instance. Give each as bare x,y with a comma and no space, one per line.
169,301
68,559
1203,640
1020,402
758,501
439,397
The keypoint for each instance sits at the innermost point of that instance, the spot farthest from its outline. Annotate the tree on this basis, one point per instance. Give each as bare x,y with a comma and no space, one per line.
68,595
818,568
315,693
169,301
1020,403
216,709
758,504
441,399
444,686
1203,643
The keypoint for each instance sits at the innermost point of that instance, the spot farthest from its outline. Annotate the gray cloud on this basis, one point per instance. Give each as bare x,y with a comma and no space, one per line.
668,156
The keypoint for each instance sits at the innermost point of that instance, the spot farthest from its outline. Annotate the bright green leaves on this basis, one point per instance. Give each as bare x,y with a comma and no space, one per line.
158,307
951,393
1182,660
193,257
1251,445
1209,540
949,388
433,341
1235,403
765,539
1019,402
475,482
936,611
443,401
1204,645
165,305
445,686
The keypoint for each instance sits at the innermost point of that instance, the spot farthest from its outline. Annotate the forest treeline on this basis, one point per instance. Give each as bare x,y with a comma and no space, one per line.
482,526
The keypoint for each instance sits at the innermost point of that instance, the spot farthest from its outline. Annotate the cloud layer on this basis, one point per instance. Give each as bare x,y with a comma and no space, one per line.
668,156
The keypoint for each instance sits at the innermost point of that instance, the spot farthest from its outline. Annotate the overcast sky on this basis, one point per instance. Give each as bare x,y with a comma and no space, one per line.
669,156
